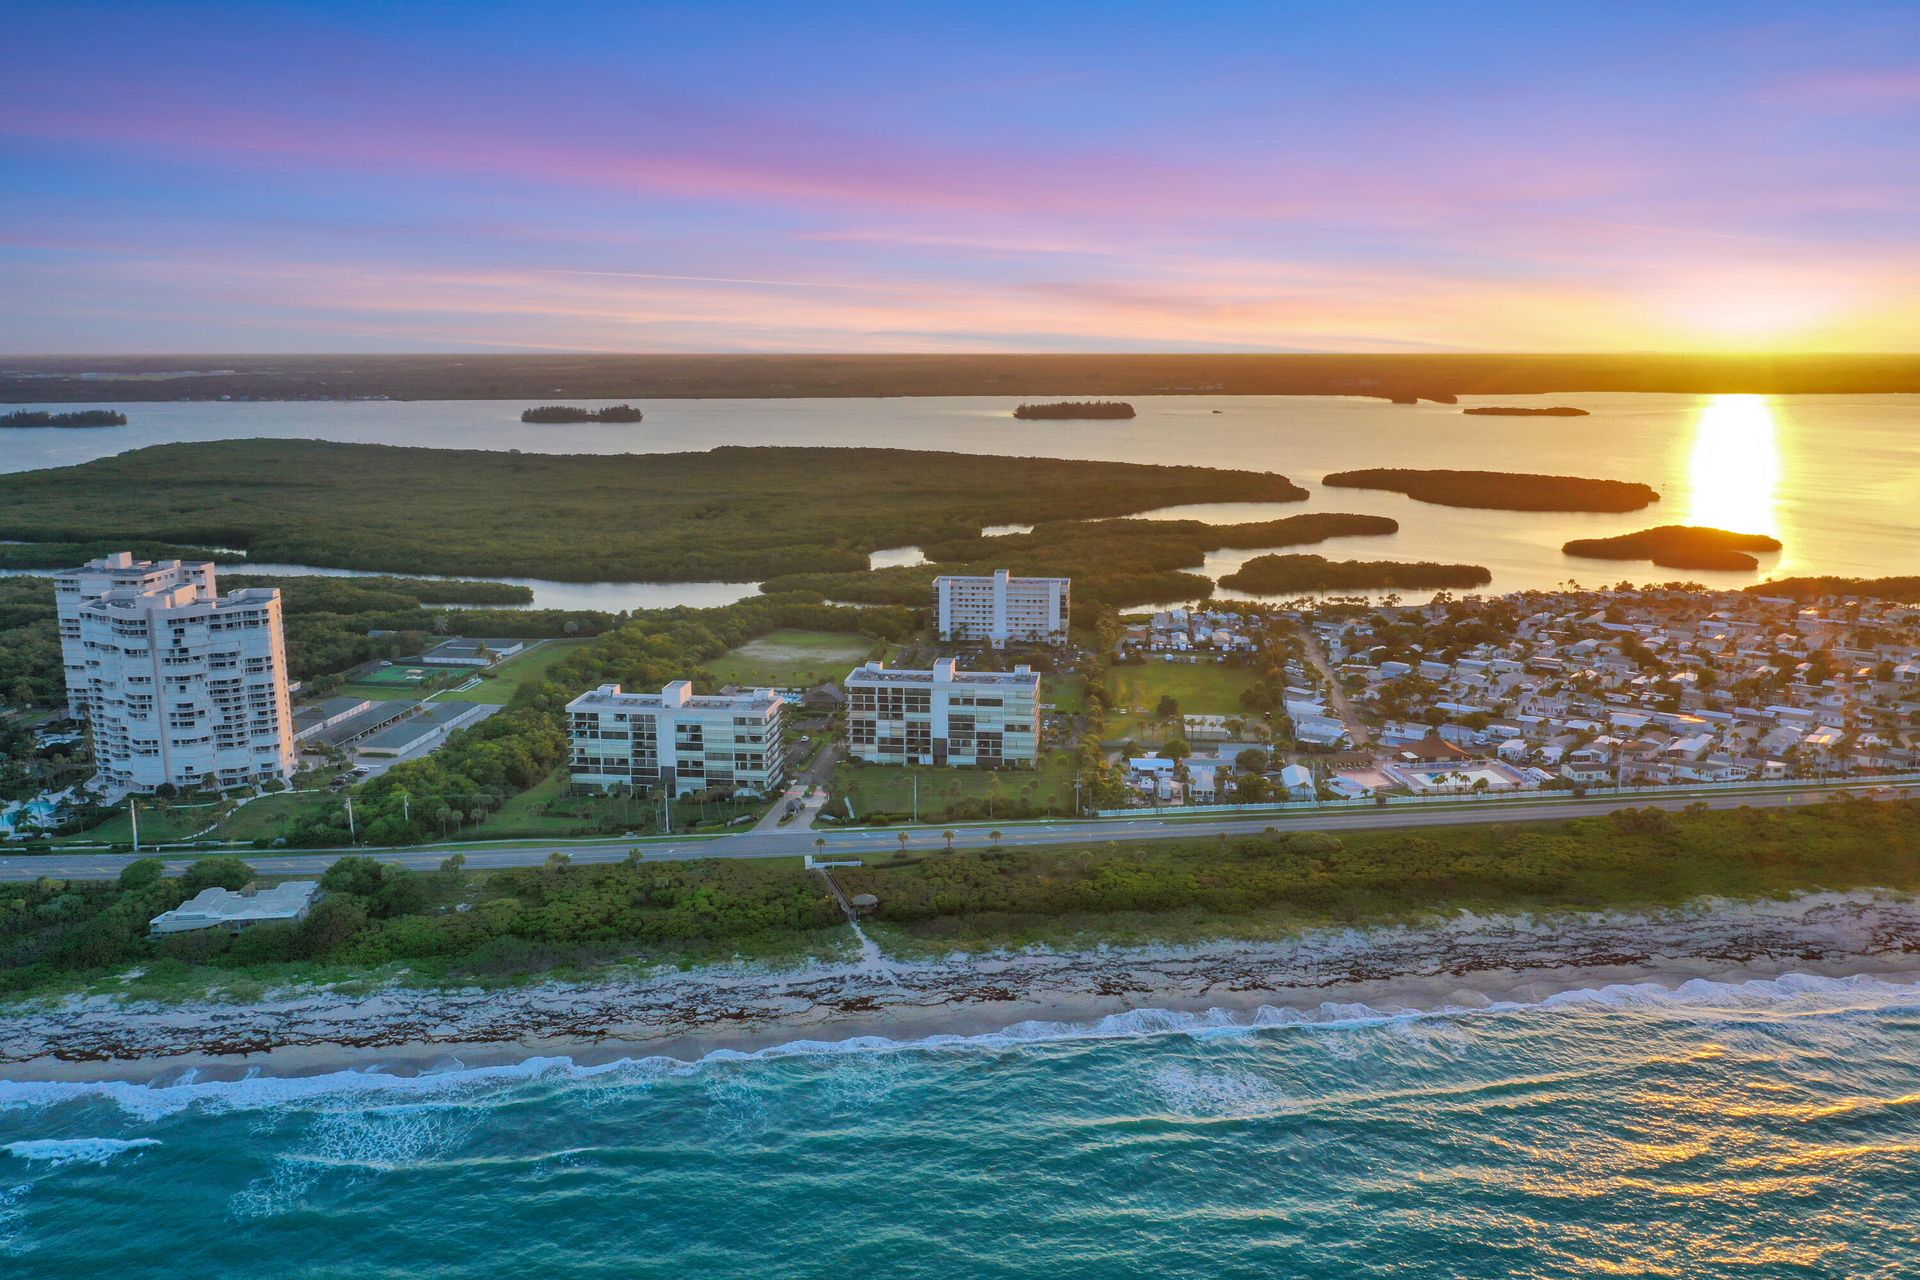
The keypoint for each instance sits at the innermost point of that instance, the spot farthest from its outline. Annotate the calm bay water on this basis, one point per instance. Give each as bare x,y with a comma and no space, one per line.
1766,1129
1836,478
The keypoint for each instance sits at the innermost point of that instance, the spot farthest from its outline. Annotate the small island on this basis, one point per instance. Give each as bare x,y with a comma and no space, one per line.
549,413
1069,409
1521,411
1501,490
76,418
1271,575
1679,546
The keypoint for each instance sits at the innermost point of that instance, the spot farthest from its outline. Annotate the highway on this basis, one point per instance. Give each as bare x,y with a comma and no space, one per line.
869,842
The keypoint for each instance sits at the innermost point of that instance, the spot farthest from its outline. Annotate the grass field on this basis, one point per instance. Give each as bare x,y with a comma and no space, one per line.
1067,694
884,789
261,819
156,825
524,812
1202,688
500,683
270,816
545,809
790,658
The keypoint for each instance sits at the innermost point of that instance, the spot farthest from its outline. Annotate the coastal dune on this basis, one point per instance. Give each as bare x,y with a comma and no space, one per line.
1464,962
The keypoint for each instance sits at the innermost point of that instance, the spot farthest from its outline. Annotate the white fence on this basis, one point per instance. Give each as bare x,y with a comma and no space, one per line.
1522,797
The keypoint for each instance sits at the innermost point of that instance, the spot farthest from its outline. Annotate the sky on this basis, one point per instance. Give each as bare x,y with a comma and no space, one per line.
1356,175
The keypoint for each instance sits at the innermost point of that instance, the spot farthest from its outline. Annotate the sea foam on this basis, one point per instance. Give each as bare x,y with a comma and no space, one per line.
59,1151
1790,994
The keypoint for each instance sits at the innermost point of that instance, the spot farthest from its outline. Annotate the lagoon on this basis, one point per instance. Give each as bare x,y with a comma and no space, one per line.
1835,478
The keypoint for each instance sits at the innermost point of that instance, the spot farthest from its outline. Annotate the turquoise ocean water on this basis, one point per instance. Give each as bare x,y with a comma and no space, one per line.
1758,1130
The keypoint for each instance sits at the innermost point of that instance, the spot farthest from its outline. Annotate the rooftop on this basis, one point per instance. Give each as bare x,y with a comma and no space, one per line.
678,694
213,907
944,672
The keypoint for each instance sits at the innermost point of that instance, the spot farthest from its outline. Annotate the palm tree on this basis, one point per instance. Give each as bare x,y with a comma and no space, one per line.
948,835
902,838
993,838
820,842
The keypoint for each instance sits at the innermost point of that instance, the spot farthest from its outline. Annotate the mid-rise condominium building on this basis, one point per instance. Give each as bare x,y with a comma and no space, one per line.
944,716
179,683
677,740
1000,607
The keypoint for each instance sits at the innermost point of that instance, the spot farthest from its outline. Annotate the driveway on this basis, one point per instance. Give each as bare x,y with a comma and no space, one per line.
816,777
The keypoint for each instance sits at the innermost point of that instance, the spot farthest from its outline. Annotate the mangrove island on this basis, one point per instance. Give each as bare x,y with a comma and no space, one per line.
1068,409
1679,546
1270,575
728,514
1501,490
75,418
549,413
1520,411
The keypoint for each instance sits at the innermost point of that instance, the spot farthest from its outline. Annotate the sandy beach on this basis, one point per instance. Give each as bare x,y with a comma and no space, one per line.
1462,962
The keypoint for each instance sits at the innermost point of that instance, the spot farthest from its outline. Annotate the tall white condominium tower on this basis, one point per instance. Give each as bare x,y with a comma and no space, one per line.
1002,608
676,739
945,716
178,681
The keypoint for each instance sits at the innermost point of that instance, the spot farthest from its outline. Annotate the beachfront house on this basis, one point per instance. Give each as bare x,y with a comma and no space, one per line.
233,911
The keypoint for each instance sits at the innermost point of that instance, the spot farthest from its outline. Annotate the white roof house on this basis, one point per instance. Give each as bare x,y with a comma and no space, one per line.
225,909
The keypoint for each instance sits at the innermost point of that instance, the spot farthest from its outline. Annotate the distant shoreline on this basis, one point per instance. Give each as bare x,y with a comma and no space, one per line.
1463,962
542,378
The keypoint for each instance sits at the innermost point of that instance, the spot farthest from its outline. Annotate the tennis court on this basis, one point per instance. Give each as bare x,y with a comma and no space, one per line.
401,675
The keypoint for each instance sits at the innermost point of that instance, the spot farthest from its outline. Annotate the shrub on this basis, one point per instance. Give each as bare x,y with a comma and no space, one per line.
140,874
221,871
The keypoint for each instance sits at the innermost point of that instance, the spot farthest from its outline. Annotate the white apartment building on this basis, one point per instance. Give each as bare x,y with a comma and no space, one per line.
945,716
677,739
178,682
1001,607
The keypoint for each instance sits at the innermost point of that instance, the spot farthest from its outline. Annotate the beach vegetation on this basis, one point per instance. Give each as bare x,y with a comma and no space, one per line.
457,925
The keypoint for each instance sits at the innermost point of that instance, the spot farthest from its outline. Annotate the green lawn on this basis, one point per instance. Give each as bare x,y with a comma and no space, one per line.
1202,688
498,684
790,658
261,819
378,692
156,825
1067,693
270,816
545,809
889,789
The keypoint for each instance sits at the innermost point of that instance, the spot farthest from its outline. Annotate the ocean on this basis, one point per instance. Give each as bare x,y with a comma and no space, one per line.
1759,1129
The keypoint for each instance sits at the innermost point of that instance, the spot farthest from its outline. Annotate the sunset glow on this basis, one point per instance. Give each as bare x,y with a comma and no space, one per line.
1735,467
1363,178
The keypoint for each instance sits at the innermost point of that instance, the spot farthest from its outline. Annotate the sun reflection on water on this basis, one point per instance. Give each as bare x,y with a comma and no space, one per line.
1735,467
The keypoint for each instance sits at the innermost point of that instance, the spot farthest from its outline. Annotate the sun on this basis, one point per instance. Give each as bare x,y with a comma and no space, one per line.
1735,467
